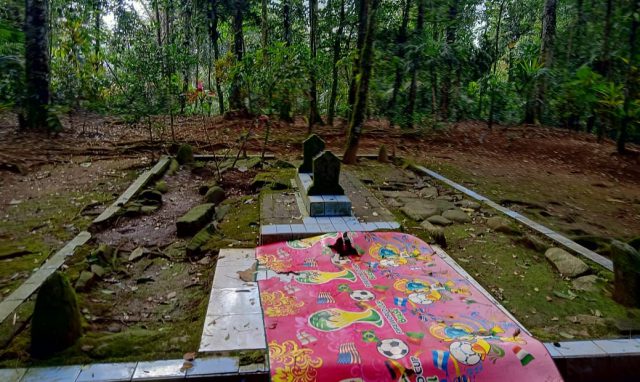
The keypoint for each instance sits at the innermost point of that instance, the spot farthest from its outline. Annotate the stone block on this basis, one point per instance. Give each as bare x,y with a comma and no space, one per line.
195,219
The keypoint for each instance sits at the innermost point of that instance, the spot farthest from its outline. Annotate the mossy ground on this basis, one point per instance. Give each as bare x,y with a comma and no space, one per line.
521,279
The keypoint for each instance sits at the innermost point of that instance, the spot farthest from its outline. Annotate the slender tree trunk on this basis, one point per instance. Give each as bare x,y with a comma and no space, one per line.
363,9
156,10
336,57
314,115
36,31
401,39
186,47
450,39
360,106
496,55
235,98
605,60
630,90
413,88
214,35
546,50
264,25
285,105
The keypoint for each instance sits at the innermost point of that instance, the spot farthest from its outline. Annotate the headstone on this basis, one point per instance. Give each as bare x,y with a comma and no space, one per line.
626,269
311,148
326,175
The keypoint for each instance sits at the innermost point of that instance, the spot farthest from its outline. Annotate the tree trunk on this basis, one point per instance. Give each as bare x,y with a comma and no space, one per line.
336,57
285,105
186,47
213,38
264,25
450,39
360,106
314,115
495,65
363,9
413,89
546,50
630,91
36,63
401,39
235,98
156,10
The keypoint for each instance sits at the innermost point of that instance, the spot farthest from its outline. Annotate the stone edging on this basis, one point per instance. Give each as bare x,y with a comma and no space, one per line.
551,234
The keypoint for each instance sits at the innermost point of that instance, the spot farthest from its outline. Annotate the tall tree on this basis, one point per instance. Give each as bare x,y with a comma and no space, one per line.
496,57
401,40
337,44
36,30
214,36
235,96
631,82
363,10
546,50
314,115
186,47
450,39
415,67
362,94
285,104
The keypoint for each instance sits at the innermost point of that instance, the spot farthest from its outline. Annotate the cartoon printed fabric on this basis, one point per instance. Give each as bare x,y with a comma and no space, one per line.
398,312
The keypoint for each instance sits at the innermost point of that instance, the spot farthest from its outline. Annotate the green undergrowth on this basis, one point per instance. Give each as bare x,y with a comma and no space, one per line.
240,226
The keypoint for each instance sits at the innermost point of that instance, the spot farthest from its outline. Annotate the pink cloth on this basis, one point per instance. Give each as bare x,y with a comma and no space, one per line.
398,312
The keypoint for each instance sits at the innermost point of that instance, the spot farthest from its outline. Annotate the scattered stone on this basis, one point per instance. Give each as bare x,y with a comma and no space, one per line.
502,225
195,219
136,254
203,188
383,156
221,211
567,264
270,180
55,324
150,197
311,147
326,175
184,154
85,280
161,187
436,233
206,260
465,203
586,319
399,194
172,295
585,283
428,192
214,195
419,211
282,164
439,220
393,203
196,243
533,242
98,270
104,254
626,269
114,328
447,198
456,216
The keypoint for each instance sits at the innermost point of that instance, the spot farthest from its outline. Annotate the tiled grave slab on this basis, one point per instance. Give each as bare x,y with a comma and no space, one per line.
12,375
226,333
52,374
236,256
580,349
104,372
227,277
236,300
205,367
619,346
167,370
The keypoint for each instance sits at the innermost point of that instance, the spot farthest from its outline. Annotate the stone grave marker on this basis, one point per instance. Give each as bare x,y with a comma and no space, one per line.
311,147
326,175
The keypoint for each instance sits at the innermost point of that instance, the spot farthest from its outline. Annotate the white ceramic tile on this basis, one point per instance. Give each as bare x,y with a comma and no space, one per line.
233,333
227,277
104,372
235,300
241,256
619,346
52,374
213,366
160,370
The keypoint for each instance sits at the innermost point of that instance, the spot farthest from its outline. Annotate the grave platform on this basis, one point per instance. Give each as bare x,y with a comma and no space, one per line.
283,215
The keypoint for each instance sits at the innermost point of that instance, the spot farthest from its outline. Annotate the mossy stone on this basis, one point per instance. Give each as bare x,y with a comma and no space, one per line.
150,197
194,247
626,269
270,180
55,324
174,166
184,154
214,195
635,243
195,219
203,188
161,186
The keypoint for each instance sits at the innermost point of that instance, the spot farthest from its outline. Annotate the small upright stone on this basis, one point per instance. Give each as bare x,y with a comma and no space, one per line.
184,154
55,324
326,175
626,270
383,156
195,219
311,147
567,264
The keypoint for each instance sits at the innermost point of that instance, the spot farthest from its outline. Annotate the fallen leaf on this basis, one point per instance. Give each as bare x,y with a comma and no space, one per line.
171,295
248,275
190,356
186,366
136,254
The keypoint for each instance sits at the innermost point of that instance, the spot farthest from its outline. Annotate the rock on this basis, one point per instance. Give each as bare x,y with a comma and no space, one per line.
98,270
502,225
438,204
626,270
214,195
270,180
439,220
184,154
114,328
428,193
311,147
194,247
195,219
383,156
586,319
55,324
393,203
136,254
85,280
419,211
447,198
206,260
567,264
400,194
203,188
465,203
585,283
104,254
174,166
635,243
282,164
456,216
221,211
533,242
436,233
161,187
150,197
